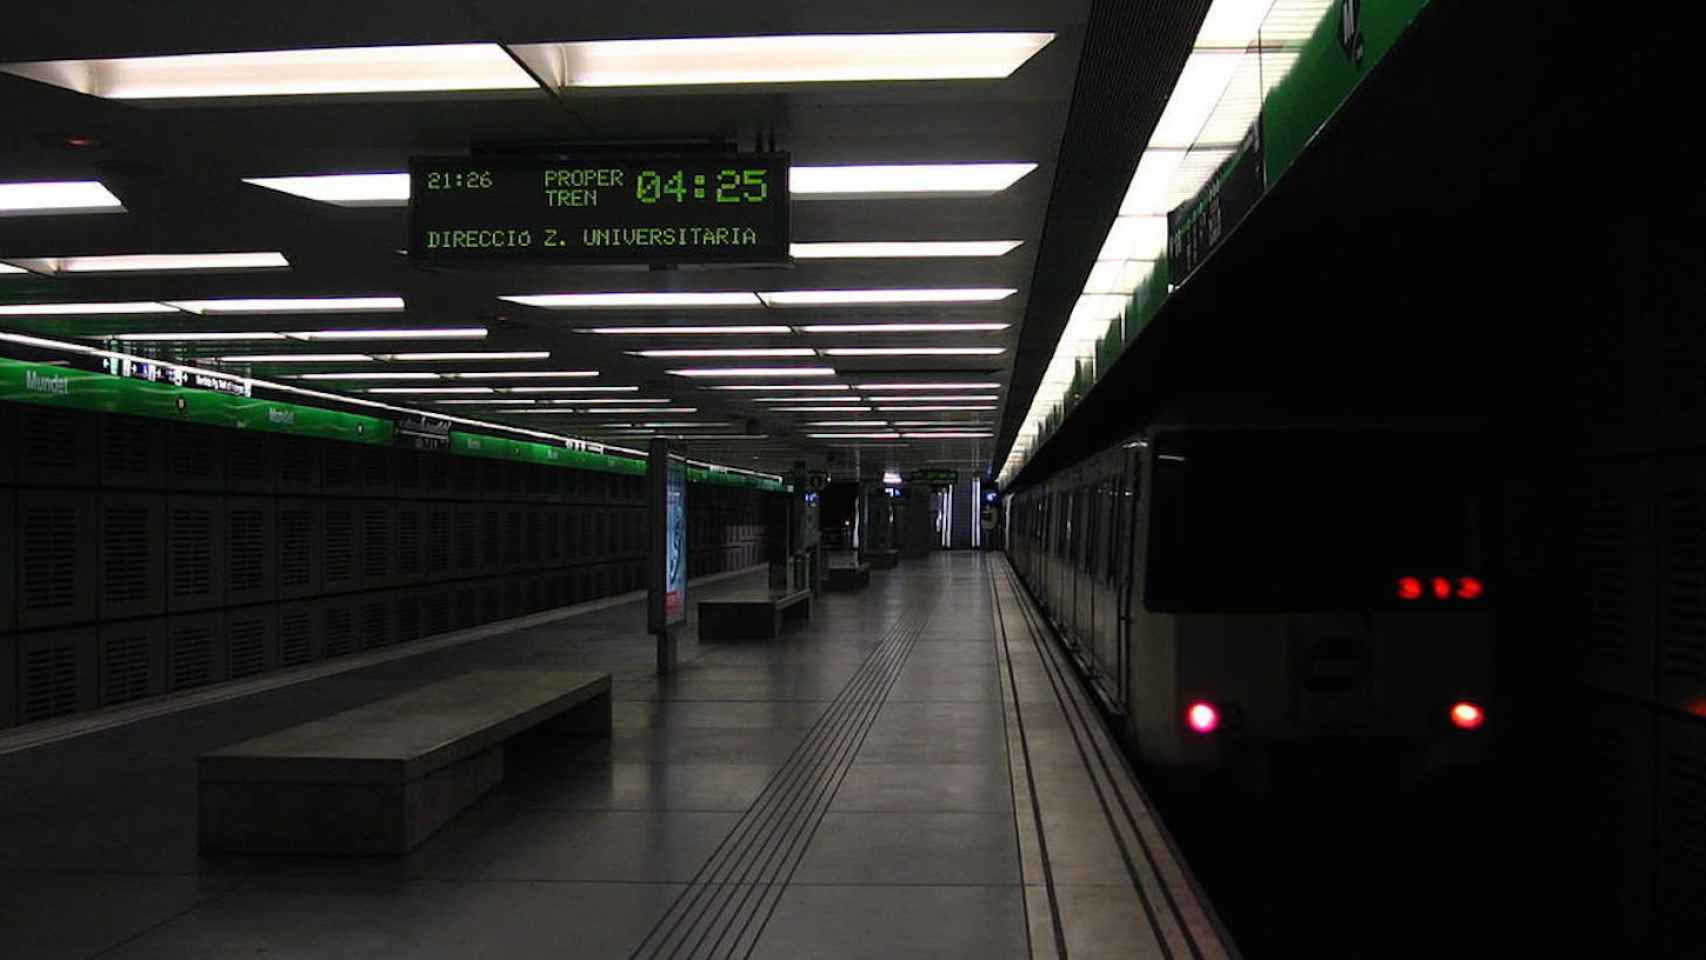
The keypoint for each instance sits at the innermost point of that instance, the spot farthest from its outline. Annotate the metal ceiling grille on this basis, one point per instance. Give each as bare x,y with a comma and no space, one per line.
1133,54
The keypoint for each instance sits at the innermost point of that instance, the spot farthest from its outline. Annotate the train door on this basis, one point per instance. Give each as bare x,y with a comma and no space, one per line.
1129,575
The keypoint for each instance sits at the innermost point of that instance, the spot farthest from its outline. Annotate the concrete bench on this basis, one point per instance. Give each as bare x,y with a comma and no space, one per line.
848,577
382,778
881,559
754,617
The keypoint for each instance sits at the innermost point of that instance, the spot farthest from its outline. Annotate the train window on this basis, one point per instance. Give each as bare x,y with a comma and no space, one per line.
1290,520
1092,528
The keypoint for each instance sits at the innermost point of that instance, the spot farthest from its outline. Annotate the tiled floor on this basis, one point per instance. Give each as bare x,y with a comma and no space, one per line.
846,791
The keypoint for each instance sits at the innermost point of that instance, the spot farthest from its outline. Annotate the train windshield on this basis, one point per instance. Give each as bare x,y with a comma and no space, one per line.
1272,520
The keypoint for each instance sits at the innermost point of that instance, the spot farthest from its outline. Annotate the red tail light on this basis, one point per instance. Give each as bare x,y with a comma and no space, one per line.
1467,716
1202,717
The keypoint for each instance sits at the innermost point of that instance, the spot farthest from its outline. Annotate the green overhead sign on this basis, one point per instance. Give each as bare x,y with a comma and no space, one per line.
49,385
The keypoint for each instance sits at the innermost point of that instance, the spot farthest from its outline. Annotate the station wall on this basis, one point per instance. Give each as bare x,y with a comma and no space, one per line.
140,557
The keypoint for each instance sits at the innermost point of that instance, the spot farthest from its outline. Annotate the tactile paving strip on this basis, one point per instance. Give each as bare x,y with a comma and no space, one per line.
723,911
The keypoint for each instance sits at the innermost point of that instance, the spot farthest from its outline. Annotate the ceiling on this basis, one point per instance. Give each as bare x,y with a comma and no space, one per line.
179,171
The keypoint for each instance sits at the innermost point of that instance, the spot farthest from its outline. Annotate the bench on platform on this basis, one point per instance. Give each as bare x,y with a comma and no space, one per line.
881,559
849,577
752,617
383,777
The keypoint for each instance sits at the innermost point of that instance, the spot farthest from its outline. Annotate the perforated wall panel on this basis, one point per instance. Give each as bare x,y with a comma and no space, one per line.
406,623
299,464
373,621
409,534
376,471
251,640
56,448
195,651
340,539
436,549
195,553
8,681
1616,560
378,544
56,674
131,660
132,453
249,551
8,569
299,637
298,548
8,443
55,558
195,457
338,626
340,474
1681,840
131,575
251,462
1682,582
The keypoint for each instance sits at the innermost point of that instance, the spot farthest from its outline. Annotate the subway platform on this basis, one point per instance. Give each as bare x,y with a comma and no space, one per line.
911,773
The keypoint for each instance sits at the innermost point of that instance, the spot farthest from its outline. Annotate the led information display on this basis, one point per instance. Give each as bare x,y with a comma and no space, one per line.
651,209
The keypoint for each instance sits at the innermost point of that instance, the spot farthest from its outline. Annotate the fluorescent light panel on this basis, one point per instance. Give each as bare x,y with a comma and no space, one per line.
813,298
419,333
435,390
736,352
929,386
627,389
367,375
781,386
948,435
928,408
287,73
806,399
690,331
293,305
755,372
874,181
57,197
848,423
797,58
901,249
902,327
535,375
945,398
82,309
475,355
913,351
854,436
343,189
296,358
573,301
816,409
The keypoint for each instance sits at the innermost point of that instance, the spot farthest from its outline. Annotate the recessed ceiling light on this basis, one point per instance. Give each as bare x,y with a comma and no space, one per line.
795,58
815,409
296,358
938,423
901,249
781,386
929,386
588,401
421,333
159,263
901,327
487,403
691,331
570,301
873,181
807,399
367,375
197,337
438,390
344,189
848,423
293,305
949,435
476,355
685,423
81,309
608,410
57,197
535,375
755,372
913,351
735,352
808,298
854,436
924,409
565,389
287,73
945,398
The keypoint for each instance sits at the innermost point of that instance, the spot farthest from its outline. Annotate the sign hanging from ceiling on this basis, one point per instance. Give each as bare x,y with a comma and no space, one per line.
654,209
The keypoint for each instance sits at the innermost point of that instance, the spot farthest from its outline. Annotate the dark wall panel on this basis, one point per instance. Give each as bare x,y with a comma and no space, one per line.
195,457
195,552
8,571
132,452
195,651
132,555
55,674
131,660
251,462
55,558
251,641
56,448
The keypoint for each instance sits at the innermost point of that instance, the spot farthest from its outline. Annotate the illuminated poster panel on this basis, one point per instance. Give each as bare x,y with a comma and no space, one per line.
666,581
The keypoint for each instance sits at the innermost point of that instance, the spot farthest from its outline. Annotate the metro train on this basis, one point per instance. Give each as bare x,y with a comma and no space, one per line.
1246,601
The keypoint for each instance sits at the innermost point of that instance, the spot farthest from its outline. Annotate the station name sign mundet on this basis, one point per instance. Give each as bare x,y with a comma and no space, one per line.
654,209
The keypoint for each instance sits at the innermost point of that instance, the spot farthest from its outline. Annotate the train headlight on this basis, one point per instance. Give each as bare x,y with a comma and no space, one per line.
1467,716
1202,717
